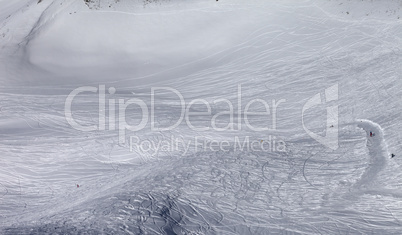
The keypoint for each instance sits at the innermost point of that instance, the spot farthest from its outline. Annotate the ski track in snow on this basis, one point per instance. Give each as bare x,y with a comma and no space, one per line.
377,150
307,190
378,157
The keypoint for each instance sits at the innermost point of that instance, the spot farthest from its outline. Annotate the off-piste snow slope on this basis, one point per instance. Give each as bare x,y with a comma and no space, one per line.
326,73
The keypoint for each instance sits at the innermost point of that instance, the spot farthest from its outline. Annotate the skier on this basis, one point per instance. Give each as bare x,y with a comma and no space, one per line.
392,155
371,134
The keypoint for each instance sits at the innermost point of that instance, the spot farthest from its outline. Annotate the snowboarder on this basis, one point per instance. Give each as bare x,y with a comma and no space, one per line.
392,155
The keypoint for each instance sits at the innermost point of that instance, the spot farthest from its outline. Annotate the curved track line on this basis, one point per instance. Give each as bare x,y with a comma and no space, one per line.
377,161
377,150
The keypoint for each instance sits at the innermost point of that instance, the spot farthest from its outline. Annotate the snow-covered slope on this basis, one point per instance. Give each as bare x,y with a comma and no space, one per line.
324,65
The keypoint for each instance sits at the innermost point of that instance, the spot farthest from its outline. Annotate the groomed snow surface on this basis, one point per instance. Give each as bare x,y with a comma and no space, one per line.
345,57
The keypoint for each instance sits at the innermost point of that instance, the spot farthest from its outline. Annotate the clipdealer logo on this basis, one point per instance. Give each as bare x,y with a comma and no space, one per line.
330,139
116,111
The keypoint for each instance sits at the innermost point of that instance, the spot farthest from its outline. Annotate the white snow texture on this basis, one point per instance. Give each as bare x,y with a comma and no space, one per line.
342,58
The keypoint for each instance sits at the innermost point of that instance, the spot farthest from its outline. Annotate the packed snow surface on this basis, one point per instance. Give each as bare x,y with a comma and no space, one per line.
226,94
